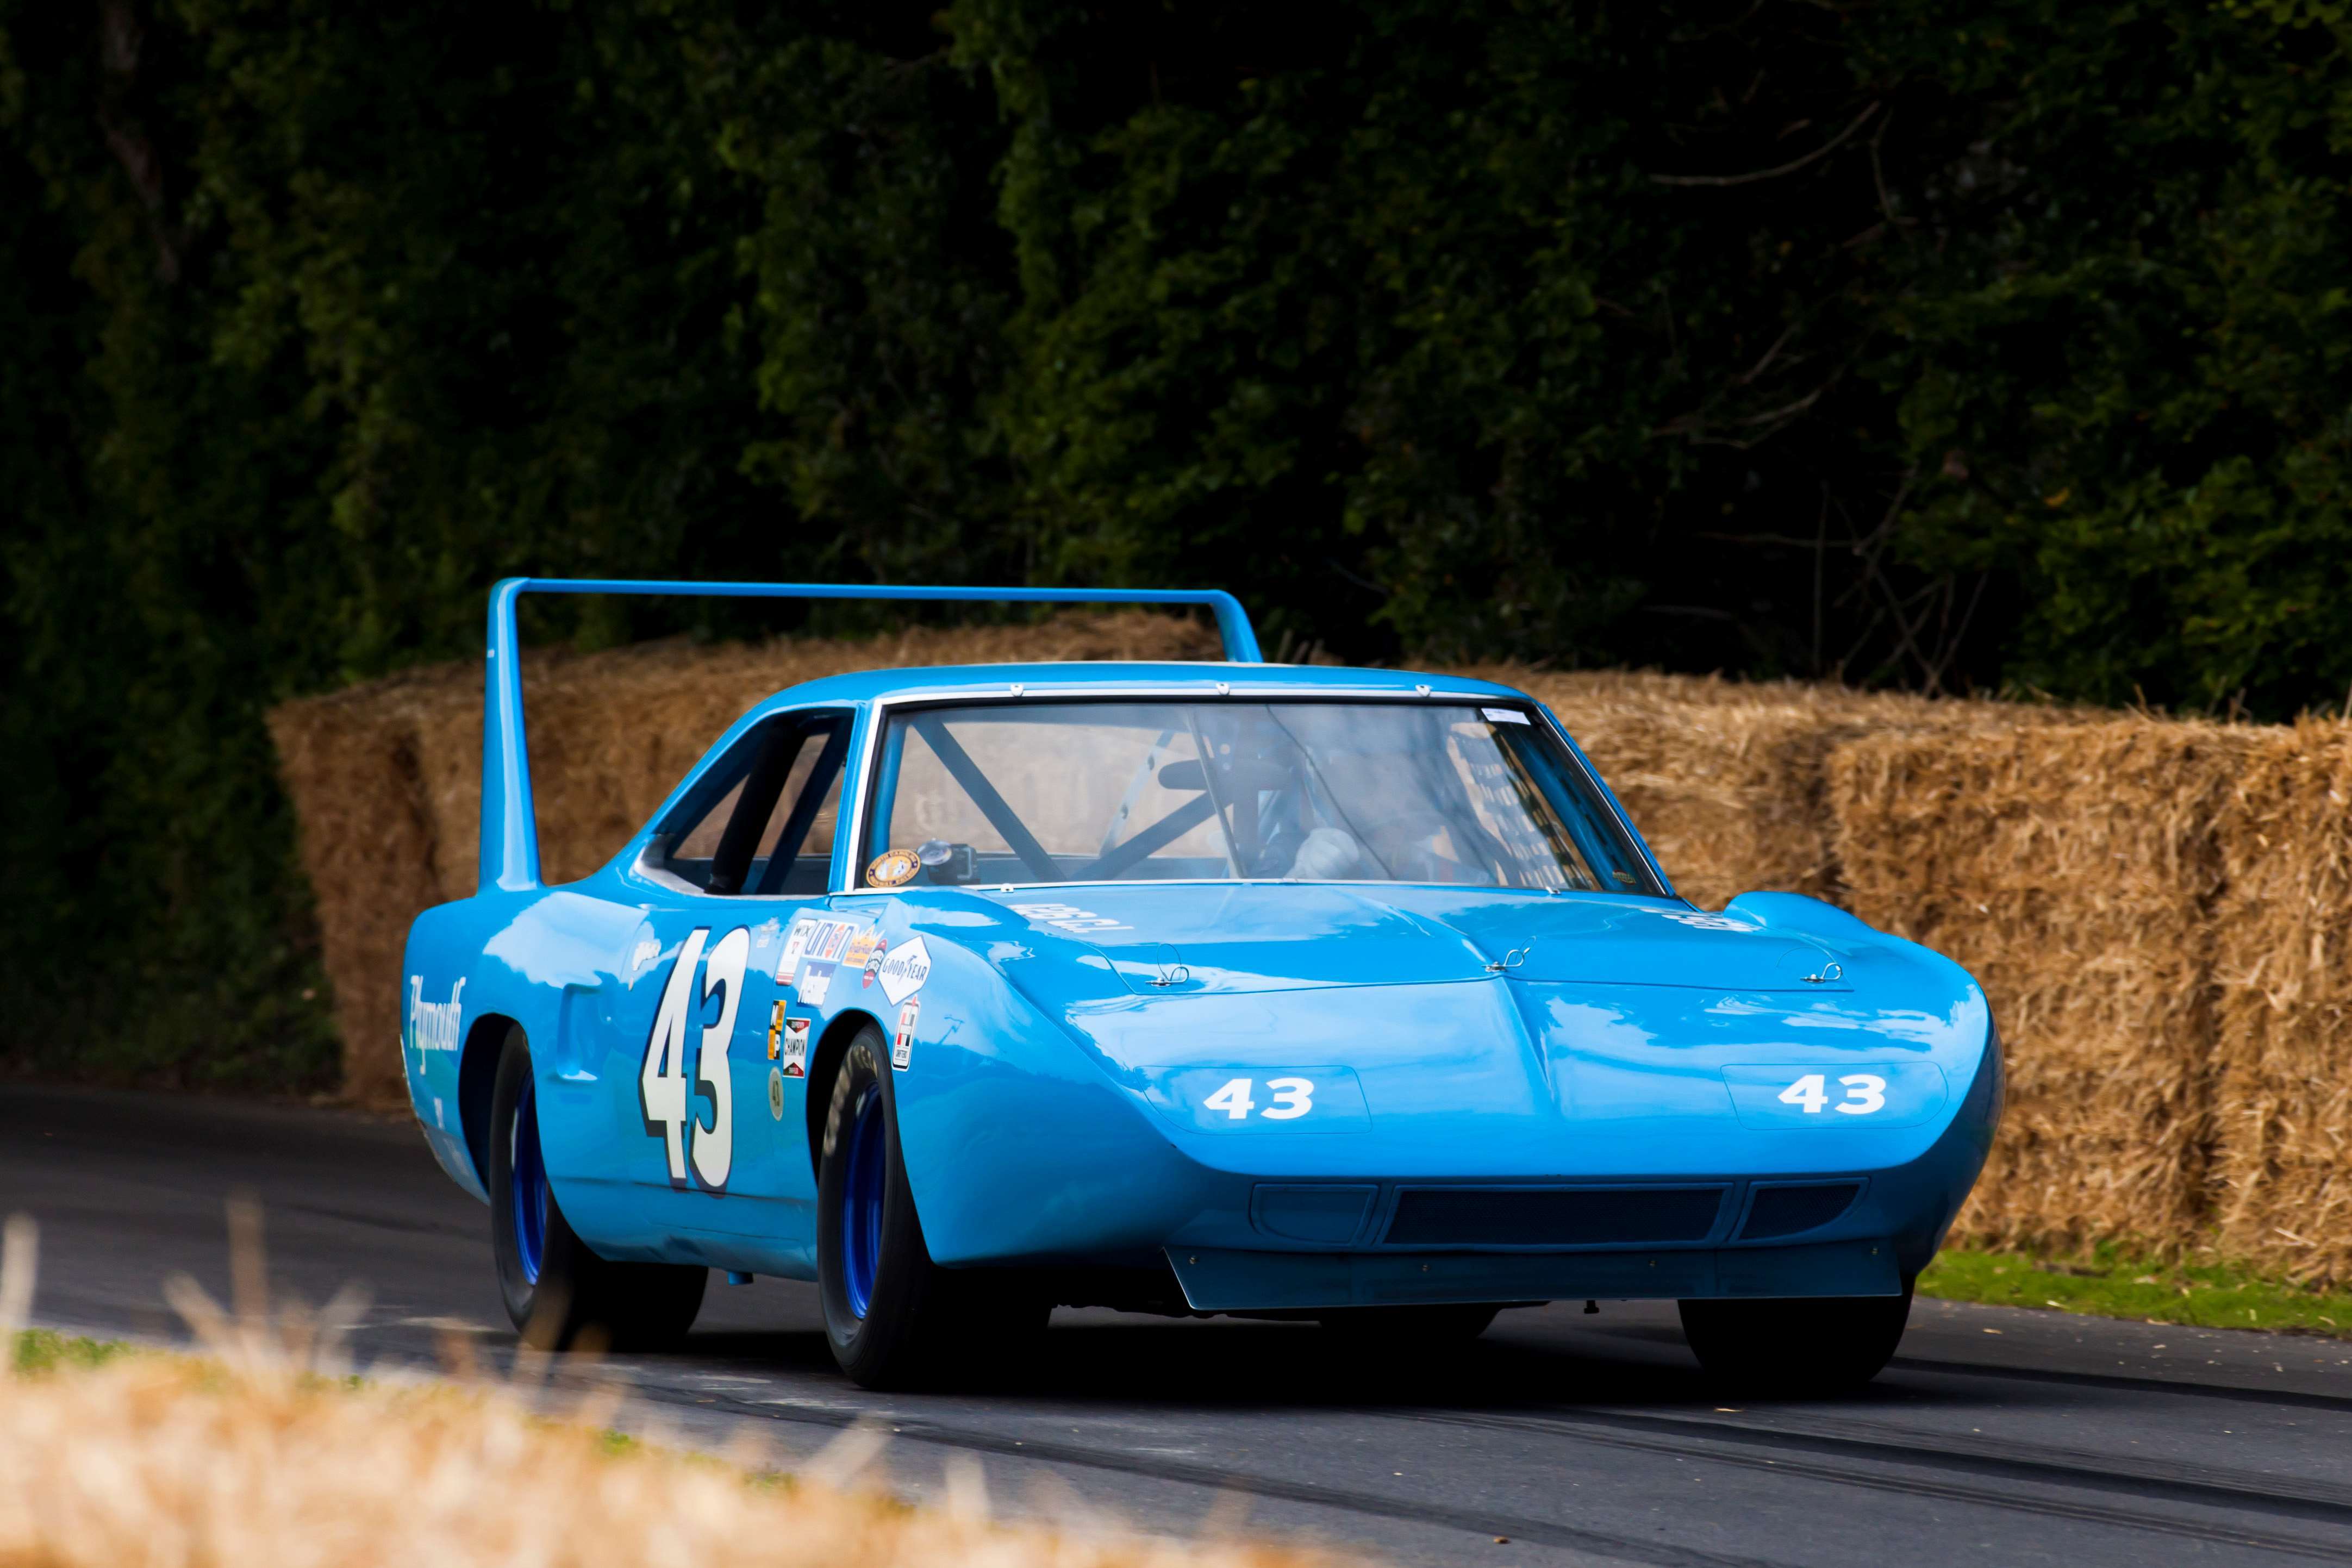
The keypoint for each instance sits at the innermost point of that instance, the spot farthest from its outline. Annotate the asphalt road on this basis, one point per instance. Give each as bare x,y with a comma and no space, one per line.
1998,1435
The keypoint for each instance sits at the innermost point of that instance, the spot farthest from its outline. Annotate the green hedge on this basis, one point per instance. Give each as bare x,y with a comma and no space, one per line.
1912,342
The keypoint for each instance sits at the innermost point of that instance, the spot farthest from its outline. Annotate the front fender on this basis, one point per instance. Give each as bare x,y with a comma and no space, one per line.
1017,1144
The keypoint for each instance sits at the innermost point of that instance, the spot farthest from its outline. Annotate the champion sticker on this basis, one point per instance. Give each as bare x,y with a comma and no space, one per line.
816,979
902,974
902,1045
796,1033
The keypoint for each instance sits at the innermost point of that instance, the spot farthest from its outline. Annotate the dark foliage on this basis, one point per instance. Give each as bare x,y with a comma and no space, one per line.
1951,346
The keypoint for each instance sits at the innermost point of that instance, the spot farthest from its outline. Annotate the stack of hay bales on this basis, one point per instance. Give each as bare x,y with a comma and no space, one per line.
2072,868
2282,1171
1728,779
386,778
2160,910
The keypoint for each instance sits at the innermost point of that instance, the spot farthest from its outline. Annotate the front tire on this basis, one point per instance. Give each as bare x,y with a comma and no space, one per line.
559,1294
892,1316
1823,1345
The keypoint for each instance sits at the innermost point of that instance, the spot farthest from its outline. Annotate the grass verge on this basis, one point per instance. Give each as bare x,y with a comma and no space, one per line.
46,1350
2111,1283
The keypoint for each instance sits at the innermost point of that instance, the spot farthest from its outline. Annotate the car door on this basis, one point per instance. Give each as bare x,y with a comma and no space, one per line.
710,1115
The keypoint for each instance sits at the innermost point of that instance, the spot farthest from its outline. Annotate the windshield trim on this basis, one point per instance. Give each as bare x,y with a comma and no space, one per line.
878,727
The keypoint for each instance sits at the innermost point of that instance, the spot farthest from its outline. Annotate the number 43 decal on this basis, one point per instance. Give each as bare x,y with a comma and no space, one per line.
1865,1093
1293,1098
664,1087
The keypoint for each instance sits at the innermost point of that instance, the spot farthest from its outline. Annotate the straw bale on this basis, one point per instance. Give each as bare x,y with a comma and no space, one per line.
354,771
1726,778
2282,1169
386,778
2073,868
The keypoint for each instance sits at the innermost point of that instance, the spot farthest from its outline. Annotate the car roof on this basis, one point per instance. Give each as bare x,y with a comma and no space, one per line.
1107,678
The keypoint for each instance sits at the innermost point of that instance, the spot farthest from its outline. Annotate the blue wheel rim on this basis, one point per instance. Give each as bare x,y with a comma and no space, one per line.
529,1186
861,1206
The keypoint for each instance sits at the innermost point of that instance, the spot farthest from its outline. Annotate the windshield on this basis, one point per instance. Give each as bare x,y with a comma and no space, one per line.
1468,795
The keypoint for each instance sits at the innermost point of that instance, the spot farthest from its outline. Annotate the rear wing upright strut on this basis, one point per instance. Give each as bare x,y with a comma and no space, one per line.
509,821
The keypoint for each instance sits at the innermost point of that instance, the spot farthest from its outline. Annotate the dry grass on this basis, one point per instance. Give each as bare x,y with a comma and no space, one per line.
2073,869
258,1454
2281,1172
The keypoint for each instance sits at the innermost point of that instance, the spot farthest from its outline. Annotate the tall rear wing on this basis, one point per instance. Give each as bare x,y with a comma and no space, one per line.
509,821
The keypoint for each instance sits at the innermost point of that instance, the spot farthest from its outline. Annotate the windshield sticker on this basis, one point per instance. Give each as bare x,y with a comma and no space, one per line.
1068,917
816,979
894,868
902,1046
1504,716
905,970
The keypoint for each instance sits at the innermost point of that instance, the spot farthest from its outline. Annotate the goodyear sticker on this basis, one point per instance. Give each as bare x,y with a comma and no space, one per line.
903,972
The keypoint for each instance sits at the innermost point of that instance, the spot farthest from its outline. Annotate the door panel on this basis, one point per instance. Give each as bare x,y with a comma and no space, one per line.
708,1111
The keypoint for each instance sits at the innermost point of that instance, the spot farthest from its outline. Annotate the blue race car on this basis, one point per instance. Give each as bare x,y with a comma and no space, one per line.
1335,993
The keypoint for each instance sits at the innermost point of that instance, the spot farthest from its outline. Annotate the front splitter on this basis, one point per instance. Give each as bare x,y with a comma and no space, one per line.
1233,1281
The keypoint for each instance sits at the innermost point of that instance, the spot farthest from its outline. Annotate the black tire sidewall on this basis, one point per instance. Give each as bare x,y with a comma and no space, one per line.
580,1299
1797,1345
900,1325
523,1297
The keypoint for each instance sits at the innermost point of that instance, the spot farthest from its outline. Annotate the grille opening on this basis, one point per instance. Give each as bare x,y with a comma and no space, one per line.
1472,1217
1788,1210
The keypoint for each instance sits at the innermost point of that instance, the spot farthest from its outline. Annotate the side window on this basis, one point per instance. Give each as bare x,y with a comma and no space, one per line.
769,830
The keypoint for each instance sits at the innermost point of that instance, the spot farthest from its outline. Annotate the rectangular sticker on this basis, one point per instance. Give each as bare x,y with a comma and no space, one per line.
816,979
1847,1094
796,1033
902,1045
796,943
1261,1099
1504,716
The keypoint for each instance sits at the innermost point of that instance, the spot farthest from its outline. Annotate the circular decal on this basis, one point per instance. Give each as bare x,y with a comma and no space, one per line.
894,868
776,1094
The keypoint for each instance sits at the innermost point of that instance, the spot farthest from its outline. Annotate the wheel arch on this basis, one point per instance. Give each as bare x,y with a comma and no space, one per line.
478,1075
825,1064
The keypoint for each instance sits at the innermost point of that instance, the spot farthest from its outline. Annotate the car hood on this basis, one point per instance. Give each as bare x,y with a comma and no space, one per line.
1178,938
1636,1030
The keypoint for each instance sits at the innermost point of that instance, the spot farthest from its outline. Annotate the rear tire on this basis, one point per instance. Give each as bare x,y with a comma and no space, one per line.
1420,1326
893,1317
559,1294
1822,1345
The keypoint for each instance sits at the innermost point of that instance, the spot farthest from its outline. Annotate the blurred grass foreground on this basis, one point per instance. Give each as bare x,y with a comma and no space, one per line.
264,1452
